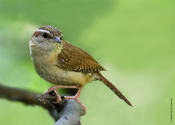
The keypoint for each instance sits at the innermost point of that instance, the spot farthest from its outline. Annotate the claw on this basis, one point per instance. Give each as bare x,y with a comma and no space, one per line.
58,99
76,97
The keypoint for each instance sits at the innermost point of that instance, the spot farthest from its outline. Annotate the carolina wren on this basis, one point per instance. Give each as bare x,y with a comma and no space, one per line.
67,66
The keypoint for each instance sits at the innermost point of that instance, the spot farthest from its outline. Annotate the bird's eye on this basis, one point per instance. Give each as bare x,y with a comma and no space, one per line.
45,35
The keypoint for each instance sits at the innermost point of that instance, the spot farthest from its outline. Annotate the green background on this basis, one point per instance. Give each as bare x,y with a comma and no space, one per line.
133,39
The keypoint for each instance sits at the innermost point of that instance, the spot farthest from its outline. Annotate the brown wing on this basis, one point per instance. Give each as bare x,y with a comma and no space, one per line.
75,59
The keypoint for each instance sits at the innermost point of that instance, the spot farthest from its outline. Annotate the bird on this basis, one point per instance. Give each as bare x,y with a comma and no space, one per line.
65,65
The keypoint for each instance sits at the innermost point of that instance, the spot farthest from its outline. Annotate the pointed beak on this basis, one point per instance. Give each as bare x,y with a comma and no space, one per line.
58,39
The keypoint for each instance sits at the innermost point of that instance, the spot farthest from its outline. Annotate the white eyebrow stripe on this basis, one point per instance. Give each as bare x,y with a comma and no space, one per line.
43,31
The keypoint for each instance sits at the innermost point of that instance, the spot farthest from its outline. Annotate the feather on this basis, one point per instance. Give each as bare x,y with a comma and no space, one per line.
75,59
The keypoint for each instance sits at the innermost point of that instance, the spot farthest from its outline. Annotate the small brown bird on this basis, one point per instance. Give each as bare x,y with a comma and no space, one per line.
65,65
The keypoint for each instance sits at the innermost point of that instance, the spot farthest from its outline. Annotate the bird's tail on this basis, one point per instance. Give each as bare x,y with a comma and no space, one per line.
113,88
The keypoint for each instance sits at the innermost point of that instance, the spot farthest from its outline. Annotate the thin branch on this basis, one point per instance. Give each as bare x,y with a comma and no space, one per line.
67,112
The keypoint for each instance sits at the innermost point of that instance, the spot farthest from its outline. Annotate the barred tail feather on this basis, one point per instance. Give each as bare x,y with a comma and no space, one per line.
113,88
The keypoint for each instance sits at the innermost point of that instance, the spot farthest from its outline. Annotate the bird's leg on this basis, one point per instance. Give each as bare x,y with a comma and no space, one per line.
76,97
54,89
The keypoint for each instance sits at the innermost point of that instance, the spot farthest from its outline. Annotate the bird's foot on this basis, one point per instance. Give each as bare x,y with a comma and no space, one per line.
76,97
52,89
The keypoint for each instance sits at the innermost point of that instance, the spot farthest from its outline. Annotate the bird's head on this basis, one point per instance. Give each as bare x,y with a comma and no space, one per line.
46,38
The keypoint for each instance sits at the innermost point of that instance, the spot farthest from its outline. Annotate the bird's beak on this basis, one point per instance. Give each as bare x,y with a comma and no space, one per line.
58,39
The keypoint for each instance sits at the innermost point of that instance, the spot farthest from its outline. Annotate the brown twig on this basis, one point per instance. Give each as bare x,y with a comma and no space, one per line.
67,112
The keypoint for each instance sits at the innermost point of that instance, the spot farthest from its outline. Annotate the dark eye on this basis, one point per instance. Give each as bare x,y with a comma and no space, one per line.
45,35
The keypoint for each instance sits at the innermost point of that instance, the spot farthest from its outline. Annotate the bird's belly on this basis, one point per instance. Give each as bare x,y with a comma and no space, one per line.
56,75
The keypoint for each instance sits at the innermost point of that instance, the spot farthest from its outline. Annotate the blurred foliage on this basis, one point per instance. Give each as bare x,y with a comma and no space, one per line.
134,40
